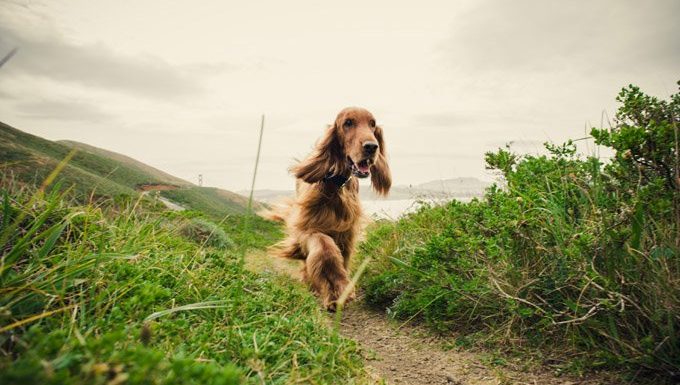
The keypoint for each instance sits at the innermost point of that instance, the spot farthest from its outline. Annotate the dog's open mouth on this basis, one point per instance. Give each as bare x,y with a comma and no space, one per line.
362,169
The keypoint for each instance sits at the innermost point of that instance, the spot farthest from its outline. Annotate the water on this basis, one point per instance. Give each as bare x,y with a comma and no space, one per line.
393,209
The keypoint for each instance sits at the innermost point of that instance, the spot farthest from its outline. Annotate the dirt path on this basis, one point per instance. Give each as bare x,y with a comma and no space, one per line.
409,355
167,202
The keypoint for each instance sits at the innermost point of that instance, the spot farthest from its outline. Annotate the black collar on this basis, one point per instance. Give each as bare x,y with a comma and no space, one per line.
338,180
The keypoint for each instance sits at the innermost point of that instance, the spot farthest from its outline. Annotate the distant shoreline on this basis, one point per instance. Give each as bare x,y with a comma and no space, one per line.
456,188
395,208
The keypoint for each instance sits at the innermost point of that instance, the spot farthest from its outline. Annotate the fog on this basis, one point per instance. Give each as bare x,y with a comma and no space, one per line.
181,85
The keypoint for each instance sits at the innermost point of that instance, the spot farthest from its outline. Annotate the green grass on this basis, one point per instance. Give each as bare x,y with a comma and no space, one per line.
575,257
242,231
114,293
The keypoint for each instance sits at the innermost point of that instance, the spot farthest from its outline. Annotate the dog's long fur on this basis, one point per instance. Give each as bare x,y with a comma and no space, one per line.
324,220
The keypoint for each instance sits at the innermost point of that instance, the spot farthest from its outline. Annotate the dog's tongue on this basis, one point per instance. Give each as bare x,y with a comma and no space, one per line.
364,167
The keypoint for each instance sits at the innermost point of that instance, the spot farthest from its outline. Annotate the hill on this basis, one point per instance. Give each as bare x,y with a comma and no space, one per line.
95,172
217,202
128,161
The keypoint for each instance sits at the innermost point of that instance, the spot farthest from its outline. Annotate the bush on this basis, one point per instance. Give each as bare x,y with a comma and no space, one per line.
571,252
206,233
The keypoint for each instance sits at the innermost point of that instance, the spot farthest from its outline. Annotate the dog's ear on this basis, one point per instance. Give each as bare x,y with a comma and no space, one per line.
326,158
381,177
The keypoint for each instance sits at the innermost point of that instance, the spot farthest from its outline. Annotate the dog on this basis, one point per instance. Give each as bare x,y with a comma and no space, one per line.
324,220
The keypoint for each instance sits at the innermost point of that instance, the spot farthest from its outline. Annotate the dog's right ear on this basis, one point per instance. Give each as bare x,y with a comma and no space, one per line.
327,158
381,177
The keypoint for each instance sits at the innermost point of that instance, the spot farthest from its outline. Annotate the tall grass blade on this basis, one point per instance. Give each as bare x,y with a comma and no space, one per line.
193,306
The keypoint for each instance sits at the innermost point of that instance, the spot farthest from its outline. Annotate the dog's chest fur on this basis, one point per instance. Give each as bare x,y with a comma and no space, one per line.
330,210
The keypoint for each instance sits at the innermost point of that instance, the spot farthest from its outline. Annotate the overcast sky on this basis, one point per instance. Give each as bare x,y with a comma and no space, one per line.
181,85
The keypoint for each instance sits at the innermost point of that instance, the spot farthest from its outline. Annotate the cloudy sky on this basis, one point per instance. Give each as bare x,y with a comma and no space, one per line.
181,85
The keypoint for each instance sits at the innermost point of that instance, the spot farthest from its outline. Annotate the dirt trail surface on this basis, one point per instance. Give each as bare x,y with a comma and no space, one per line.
409,355
167,202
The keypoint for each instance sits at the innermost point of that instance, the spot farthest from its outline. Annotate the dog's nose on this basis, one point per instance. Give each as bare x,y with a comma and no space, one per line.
370,147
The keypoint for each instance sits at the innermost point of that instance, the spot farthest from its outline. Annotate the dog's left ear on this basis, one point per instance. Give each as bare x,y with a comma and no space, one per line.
326,158
381,177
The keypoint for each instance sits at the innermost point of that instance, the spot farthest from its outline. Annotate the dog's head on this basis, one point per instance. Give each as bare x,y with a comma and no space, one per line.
353,144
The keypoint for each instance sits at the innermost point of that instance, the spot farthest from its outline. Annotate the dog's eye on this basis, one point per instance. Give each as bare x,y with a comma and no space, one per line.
348,123
372,123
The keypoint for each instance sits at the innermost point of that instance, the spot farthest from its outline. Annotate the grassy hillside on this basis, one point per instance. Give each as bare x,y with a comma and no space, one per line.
29,159
123,292
93,171
120,290
215,201
153,174
574,256
33,158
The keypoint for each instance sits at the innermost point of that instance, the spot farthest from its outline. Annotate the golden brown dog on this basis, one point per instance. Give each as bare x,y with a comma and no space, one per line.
323,221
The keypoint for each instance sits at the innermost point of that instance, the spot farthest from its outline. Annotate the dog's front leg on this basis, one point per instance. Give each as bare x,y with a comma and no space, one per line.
324,268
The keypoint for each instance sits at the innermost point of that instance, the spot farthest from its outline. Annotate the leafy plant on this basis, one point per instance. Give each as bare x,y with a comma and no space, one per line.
570,252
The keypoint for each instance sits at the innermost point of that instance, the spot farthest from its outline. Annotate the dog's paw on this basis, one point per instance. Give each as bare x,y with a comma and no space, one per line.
337,299
332,302
331,307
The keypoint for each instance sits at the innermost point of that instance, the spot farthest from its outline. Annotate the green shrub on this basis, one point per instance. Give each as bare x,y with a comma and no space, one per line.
571,252
205,232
